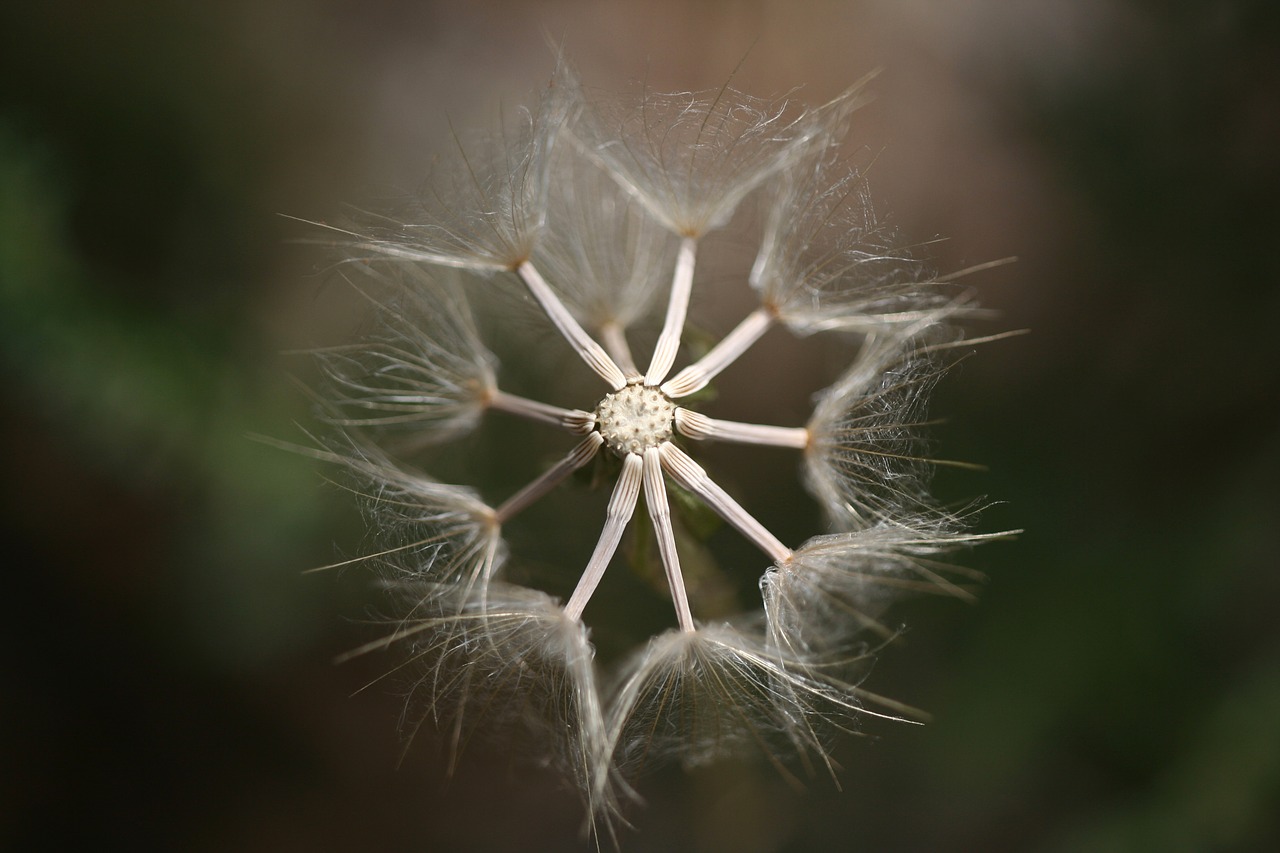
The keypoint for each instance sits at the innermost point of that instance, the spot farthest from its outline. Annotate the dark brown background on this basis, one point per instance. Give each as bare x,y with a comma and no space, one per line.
165,669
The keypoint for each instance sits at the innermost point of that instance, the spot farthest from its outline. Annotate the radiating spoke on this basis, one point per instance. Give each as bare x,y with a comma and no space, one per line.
664,354
655,496
579,456
590,351
697,426
696,376
614,338
574,420
690,474
621,507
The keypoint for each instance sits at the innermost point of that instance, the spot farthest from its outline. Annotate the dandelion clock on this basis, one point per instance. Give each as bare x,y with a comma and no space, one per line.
593,215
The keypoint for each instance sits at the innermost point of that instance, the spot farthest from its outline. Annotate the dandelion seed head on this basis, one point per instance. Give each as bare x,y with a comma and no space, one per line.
596,212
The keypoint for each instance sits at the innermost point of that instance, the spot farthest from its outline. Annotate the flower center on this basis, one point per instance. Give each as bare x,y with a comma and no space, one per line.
635,418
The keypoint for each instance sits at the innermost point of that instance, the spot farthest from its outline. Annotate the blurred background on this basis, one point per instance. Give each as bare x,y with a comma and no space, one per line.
166,675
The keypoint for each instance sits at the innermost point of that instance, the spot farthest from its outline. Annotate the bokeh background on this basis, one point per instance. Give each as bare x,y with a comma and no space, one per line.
166,675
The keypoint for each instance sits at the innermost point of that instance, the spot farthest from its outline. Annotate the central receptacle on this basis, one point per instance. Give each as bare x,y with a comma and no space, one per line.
635,418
